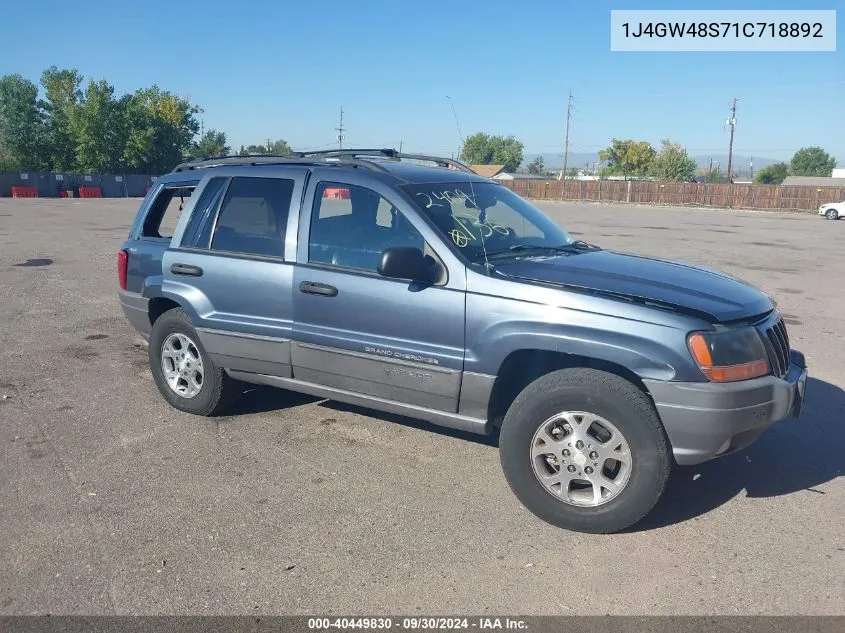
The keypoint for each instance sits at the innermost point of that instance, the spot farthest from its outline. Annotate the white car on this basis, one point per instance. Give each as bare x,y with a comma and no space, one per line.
832,210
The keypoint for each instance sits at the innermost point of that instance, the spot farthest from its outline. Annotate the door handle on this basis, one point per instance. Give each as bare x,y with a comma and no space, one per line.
316,288
186,269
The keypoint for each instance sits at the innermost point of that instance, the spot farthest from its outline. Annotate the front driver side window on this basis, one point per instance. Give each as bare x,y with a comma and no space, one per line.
351,226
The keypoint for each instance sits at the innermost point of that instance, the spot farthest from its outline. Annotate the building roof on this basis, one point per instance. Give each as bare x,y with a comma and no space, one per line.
814,181
488,171
509,175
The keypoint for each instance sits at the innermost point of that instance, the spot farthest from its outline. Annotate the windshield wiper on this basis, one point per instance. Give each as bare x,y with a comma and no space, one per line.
518,249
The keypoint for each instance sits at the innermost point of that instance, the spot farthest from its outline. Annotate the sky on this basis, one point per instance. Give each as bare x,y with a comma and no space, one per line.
284,69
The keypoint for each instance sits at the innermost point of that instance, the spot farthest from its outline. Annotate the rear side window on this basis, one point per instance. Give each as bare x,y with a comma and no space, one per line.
253,217
198,230
166,209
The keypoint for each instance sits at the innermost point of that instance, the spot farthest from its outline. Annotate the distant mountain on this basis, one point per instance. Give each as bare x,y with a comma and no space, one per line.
740,161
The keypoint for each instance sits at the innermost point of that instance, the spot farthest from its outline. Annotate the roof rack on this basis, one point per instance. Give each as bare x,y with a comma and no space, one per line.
388,153
267,159
350,157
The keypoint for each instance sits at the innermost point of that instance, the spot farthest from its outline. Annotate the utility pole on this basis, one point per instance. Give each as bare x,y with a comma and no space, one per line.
566,140
732,122
340,130
751,165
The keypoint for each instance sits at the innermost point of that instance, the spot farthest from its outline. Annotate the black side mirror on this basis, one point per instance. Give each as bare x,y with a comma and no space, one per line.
405,262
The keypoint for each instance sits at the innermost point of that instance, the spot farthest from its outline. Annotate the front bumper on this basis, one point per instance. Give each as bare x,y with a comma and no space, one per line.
705,420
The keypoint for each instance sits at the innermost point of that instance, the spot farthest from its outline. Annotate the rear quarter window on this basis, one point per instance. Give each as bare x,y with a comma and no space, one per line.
166,209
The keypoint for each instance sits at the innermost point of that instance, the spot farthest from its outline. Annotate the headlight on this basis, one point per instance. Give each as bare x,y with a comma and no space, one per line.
730,355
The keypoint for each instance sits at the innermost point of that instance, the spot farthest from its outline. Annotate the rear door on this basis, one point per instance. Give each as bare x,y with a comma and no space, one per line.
358,331
233,267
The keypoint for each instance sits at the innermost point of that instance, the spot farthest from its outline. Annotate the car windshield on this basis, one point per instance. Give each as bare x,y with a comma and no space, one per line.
480,216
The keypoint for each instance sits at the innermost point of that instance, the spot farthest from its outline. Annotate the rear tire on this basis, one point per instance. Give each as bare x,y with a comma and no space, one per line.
832,214
201,387
625,450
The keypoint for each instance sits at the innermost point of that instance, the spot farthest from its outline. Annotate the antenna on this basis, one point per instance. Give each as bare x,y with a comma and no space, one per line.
340,130
481,212
458,125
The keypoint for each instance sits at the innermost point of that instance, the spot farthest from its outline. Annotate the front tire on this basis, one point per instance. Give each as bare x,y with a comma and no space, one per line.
585,450
832,214
183,371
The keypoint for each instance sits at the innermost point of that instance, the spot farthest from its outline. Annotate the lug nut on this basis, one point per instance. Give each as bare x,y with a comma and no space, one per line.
588,470
579,445
566,452
594,455
570,468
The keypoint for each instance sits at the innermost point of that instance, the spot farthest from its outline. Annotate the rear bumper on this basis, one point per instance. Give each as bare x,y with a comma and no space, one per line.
136,309
705,420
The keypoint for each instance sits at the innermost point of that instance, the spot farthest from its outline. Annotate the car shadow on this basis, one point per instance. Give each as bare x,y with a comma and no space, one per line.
412,423
794,455
263,399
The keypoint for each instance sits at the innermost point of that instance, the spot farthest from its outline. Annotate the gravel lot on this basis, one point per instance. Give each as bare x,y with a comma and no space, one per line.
112,502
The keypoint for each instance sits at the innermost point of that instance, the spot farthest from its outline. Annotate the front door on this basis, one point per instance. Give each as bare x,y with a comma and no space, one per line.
361,332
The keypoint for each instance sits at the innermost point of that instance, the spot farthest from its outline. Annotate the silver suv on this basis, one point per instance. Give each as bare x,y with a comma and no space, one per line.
409,284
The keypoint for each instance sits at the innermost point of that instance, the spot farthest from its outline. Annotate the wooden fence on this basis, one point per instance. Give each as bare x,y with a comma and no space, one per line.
771,197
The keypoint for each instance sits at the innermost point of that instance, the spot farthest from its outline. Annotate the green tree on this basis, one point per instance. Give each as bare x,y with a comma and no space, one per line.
628,158
278,148
673,163
537,167
212,143
6,158
483,149
160,128
22,122
812,161
100,130
772,175
61,109
716,176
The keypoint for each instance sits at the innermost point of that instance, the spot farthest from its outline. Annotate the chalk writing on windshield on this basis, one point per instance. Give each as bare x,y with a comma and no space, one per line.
448,196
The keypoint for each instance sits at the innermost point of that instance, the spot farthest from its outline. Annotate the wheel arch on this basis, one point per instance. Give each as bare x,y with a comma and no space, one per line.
160,305
165,296
522,367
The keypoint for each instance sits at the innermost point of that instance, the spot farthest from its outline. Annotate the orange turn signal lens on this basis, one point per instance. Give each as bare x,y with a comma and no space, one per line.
732,373
700,350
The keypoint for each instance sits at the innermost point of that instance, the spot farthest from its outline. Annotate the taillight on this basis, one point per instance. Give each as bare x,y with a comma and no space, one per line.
122,261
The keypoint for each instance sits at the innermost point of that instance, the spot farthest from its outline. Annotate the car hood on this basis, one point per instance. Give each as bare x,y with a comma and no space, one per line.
675,285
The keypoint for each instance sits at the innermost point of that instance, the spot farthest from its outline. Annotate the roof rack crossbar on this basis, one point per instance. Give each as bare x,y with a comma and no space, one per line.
442,162
384,151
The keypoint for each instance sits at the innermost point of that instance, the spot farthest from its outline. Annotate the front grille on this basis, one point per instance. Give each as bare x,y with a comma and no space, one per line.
778,344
